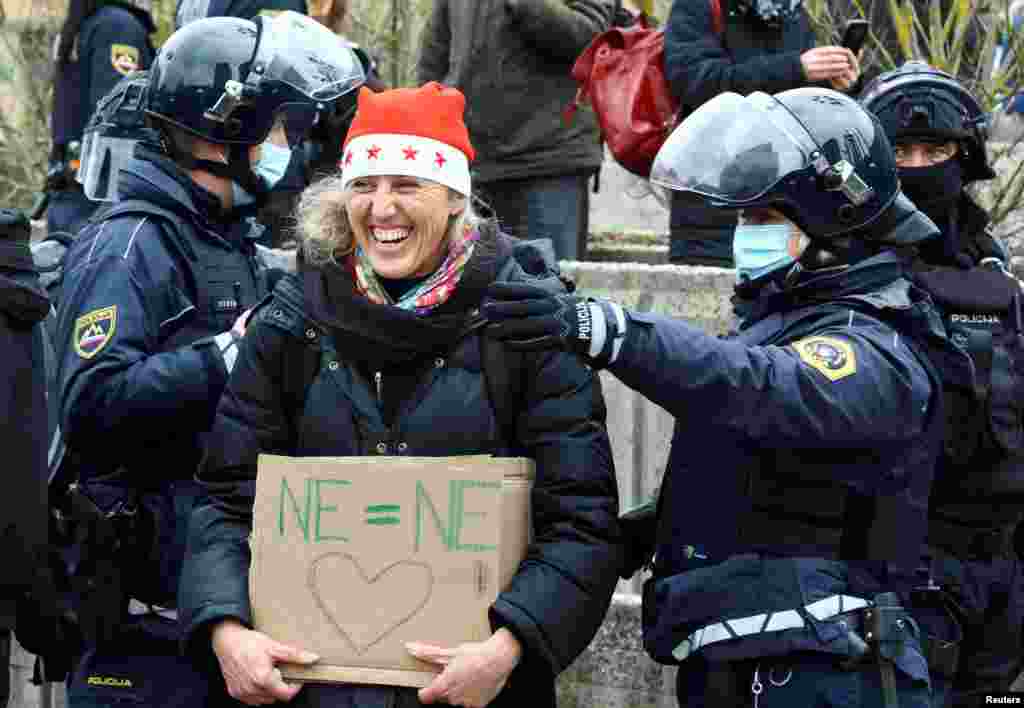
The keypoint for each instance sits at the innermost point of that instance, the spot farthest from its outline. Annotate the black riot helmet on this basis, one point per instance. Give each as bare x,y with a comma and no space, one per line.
812,153
230,81
109,139
918,101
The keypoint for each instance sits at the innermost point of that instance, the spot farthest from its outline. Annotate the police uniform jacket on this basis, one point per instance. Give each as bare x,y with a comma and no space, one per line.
790,437
975,509
112,42
23,424
335,404
746,56
147,286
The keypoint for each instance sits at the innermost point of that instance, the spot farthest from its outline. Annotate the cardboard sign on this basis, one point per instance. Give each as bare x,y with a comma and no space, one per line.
352,557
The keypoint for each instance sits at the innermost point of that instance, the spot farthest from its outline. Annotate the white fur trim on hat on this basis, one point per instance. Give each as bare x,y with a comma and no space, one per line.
411,155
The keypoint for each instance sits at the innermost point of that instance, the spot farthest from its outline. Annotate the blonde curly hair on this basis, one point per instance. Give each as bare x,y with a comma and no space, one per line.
323,228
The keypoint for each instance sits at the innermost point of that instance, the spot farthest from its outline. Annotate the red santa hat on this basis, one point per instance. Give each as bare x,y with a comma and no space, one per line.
417,132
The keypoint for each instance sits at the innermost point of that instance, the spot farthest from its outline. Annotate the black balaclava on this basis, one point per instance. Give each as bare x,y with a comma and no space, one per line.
936,190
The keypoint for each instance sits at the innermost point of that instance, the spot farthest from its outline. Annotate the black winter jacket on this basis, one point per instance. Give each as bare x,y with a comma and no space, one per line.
559,596
512,59
23,424
700,64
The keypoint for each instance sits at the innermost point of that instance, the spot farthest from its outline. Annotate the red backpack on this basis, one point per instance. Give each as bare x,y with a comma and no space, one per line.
622,74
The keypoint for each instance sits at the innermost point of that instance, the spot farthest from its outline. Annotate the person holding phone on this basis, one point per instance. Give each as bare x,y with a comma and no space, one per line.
713,46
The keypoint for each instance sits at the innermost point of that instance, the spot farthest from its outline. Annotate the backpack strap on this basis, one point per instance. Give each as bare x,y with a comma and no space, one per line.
717,18
167,220
502,370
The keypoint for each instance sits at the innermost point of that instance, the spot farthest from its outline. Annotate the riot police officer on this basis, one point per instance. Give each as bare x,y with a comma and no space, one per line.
938,132
101,42
793,507
155,294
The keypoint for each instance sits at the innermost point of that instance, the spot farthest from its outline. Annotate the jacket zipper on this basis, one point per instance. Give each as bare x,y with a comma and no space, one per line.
378,379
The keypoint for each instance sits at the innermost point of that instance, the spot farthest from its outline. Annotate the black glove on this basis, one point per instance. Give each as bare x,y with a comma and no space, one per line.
528,317
14,226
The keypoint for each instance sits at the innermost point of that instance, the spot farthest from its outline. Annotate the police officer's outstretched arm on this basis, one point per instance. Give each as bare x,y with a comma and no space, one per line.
840,387
844,381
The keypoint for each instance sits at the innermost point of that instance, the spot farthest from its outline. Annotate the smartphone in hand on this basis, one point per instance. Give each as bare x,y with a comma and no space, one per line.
854,35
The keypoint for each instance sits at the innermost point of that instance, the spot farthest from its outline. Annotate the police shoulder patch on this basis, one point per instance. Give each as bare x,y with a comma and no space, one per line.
833,357
124,58
94,330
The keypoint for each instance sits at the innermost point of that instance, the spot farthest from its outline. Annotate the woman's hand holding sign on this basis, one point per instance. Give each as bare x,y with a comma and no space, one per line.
474,673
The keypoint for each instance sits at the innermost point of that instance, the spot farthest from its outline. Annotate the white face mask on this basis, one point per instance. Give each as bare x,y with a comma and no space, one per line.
760,249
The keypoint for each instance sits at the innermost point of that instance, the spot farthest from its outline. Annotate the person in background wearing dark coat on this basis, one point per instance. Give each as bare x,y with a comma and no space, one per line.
512,59
101,42
744,46
383,316
23,430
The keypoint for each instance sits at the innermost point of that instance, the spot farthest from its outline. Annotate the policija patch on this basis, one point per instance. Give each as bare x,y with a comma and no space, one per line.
124,58
832,357
94,330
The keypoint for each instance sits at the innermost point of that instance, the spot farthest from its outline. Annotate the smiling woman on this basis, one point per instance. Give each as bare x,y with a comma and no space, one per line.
376,347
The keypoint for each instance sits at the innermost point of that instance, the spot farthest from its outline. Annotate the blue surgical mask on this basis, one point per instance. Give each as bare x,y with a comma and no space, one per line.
760,249
273,163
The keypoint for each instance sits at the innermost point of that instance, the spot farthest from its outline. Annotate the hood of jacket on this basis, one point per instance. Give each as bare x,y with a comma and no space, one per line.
21,295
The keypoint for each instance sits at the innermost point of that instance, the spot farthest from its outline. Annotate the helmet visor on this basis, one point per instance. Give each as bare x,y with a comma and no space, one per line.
733,149
103,156
300,52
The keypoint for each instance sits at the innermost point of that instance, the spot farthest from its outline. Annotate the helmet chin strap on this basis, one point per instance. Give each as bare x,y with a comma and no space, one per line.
237,168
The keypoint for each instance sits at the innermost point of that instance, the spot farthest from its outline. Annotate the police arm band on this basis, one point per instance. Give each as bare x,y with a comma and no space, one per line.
609,331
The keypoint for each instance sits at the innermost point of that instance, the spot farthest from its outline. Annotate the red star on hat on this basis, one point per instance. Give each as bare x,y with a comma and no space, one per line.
373,153
410,153
440,159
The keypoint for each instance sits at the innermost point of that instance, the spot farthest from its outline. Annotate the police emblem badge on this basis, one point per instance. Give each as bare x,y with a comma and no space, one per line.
124,58
832,357
94,330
